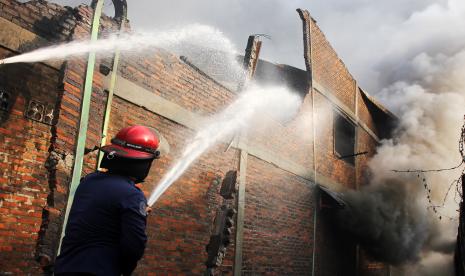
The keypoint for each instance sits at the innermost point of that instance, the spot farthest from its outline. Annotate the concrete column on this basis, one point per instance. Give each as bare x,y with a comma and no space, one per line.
240,213
251,56
307,38
252,52
307,30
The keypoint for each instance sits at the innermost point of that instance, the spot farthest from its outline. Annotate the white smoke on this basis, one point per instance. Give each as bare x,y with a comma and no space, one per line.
428,96
424,85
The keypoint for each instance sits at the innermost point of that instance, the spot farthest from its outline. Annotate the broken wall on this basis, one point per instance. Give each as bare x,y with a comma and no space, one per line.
24,179
280,201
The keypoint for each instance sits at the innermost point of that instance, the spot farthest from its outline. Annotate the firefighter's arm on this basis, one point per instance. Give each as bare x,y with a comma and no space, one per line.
133,236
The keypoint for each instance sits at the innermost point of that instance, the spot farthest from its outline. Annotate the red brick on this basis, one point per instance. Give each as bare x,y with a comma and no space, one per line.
278,238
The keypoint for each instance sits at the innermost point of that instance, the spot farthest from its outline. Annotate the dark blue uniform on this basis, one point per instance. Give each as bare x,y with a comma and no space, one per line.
105,234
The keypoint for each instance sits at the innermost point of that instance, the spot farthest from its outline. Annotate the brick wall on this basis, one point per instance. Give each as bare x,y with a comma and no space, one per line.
168,76
278,234
24,182
327,161
365,115
65,131
365,144
279,208
329,70
48,20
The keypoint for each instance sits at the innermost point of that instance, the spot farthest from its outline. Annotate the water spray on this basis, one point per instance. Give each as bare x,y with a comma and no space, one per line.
190,39
187,41
173,39
244,113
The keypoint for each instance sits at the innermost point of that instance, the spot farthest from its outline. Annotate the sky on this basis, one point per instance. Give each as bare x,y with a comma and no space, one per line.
369,36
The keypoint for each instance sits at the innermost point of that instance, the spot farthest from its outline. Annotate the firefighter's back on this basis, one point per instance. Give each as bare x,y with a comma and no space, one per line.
92,242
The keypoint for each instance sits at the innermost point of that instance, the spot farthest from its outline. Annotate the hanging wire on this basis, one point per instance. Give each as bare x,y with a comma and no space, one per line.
462,140
456,182
434,170
435,208
421,174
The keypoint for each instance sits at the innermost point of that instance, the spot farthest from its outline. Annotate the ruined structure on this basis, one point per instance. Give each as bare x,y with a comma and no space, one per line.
283,228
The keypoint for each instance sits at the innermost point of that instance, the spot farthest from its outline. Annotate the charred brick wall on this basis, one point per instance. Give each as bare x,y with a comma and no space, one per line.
51,23
48,20
279,208
24,180
35,174
65,131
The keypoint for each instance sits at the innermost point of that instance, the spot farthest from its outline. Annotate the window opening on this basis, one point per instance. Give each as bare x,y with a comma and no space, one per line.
344,138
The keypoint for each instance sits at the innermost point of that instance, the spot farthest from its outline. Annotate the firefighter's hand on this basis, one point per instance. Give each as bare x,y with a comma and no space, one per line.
148,210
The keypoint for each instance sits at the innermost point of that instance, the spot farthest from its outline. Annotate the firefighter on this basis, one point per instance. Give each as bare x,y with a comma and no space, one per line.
105,234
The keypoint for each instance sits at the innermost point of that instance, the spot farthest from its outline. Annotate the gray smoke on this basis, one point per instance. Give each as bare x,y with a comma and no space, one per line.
431,264
387,221
390,221
390,216
417,72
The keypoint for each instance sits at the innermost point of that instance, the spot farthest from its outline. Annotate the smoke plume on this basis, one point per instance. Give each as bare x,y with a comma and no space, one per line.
422,81
387,220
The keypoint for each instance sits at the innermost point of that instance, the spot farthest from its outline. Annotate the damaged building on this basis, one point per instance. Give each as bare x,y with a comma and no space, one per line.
282,226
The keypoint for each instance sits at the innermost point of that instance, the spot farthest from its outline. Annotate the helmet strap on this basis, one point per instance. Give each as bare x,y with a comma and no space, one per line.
125,144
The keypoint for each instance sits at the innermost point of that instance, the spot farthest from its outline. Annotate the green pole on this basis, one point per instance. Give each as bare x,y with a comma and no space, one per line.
111,89
84,120
106,119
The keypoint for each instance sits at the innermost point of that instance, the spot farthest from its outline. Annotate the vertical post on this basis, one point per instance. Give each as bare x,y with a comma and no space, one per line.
459,249
240,213
111,89
106,116
252,53
356,162
84,119
307,30
356,165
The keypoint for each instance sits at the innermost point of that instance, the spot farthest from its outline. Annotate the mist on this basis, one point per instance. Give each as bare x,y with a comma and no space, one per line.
250,110
419,78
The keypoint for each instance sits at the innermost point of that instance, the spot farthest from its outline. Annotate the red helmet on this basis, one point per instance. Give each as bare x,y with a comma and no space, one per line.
136,142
